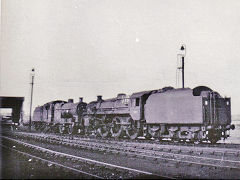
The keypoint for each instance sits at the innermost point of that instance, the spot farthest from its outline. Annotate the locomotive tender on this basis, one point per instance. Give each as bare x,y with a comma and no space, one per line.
198,114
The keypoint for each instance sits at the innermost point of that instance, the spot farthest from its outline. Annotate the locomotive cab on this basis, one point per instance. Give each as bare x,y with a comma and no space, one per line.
138,100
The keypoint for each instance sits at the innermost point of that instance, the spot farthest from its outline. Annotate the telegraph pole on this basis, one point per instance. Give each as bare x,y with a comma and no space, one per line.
183,49
30,116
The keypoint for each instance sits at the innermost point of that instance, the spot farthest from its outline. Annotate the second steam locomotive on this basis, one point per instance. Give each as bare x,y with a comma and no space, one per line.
198,114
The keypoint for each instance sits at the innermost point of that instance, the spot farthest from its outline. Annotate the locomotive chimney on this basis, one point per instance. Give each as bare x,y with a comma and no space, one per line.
99,98
70,100
80,99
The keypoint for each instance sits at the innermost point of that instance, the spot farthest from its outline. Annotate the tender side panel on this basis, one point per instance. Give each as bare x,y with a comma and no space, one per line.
174,107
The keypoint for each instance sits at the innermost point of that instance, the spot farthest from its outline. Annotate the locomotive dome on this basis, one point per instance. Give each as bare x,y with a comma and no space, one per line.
121,96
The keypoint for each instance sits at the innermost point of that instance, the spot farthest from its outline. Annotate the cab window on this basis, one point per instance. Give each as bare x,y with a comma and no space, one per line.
137,102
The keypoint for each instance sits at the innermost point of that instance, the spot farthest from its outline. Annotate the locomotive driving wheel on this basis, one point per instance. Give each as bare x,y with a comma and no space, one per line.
42,127
133,128
70,129
103,129
116,129
61,128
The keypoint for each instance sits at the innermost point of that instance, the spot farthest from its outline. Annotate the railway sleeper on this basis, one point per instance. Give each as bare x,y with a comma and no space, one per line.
204,153
151,158
131,155
172,164
115,152
231,154
186,151
177,151
199,152
216,153
238,154
166,150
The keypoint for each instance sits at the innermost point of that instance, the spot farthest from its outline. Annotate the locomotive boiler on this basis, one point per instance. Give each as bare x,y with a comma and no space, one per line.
107,116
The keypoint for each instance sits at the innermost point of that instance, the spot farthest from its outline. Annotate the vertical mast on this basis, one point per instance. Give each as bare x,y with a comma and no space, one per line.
183,49
183,72
30,116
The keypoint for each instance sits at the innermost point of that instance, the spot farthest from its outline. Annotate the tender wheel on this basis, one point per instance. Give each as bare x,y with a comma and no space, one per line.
197,138
70,129
153,131
133,129
173,136
213,137
116,129
44,128
61,129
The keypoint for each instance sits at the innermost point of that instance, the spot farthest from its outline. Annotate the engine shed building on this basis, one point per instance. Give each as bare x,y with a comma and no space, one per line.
15,103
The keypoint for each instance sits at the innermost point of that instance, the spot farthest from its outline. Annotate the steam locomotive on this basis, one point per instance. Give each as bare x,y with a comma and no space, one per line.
198,114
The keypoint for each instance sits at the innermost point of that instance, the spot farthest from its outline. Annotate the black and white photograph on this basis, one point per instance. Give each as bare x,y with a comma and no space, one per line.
120,89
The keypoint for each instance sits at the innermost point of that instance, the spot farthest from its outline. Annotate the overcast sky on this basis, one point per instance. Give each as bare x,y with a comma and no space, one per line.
105,47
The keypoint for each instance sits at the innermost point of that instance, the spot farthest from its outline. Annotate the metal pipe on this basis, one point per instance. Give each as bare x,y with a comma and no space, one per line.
30,116
182,71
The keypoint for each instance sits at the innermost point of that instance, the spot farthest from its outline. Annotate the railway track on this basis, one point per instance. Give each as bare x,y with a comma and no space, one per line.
152,141
95,138
50,164
166,142
168,147
83,166
217,159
